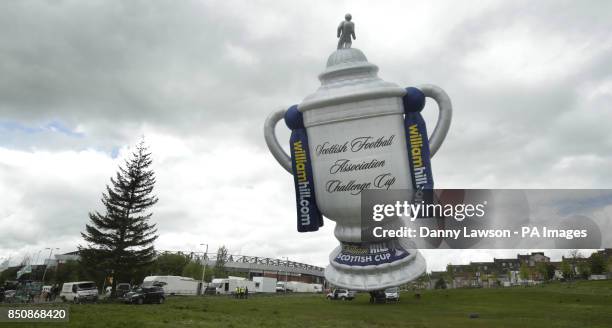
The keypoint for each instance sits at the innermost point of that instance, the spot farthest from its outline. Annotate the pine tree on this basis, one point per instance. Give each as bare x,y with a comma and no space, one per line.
120,241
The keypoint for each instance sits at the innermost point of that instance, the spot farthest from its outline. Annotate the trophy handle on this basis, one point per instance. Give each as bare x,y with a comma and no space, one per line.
270,135
445,115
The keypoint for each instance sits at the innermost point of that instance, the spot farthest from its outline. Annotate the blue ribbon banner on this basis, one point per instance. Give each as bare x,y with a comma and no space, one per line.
417,140
308,215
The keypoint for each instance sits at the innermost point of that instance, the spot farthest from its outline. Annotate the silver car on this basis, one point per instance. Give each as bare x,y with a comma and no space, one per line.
392,294
341,294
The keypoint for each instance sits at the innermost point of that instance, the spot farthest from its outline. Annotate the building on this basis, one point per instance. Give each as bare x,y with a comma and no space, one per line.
282,270
500,272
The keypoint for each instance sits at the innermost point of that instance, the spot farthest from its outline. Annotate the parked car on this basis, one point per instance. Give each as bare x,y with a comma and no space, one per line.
24,292
10,285
122,289
152,294
8,294
341,294
392,294
281,287
80,291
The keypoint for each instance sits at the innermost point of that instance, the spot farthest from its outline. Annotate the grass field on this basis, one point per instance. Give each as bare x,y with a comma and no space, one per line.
581,304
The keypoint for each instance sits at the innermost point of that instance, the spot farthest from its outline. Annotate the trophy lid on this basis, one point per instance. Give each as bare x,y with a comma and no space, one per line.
349,77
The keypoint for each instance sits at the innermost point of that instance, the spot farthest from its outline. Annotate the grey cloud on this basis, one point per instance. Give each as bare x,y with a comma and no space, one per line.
166,64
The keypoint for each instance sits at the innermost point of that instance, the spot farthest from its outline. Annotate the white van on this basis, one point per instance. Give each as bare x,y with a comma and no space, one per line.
174,285
265,284
80,291
228,285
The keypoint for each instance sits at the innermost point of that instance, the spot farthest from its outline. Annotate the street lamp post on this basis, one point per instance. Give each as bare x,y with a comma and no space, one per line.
204,266
46,266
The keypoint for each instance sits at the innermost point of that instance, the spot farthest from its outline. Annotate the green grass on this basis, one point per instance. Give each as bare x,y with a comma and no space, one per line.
582,304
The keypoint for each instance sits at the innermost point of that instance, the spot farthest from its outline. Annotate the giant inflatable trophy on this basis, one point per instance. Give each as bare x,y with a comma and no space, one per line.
359,132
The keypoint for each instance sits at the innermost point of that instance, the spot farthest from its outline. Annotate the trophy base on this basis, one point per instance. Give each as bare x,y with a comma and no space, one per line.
370,266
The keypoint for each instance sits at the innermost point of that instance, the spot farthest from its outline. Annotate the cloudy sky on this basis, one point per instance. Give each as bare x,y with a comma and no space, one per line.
82,81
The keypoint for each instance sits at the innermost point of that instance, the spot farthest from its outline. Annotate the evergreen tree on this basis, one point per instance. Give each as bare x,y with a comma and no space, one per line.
120,241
